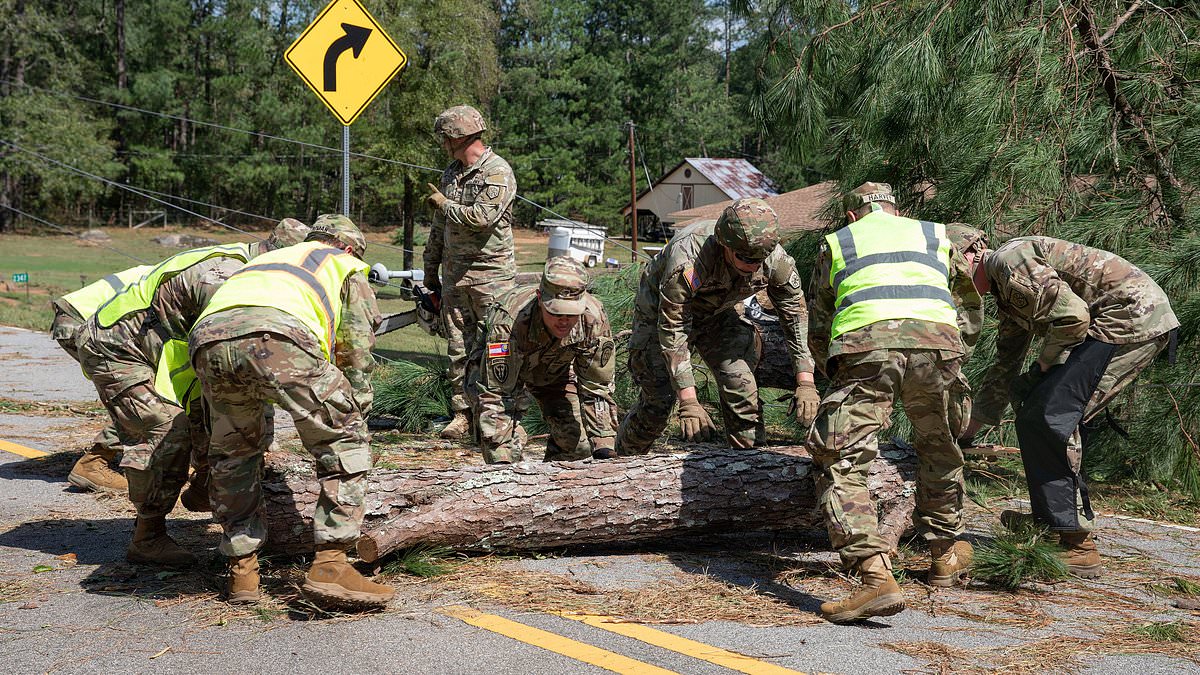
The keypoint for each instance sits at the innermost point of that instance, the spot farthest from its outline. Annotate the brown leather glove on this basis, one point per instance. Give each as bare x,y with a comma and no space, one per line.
805,402
695,423
435,198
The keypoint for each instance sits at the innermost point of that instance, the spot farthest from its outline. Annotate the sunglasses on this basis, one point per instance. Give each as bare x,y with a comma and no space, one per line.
749,260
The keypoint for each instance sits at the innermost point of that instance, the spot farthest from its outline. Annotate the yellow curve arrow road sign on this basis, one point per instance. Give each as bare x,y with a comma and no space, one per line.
346,58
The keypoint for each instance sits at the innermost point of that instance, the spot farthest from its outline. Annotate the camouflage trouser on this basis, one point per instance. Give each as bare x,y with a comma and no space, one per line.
562,413
462,310
843,442
241,377
729,347
107,443
1127,362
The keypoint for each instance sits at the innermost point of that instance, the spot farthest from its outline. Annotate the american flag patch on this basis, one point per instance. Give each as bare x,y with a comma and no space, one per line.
496,349
693,279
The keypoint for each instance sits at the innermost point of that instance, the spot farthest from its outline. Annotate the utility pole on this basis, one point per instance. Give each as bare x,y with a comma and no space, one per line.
633,214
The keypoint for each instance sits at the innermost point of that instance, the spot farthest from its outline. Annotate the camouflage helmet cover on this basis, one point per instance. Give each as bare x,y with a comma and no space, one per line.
341,228
868,193
966,238
288,232
459,122
749,227
564,282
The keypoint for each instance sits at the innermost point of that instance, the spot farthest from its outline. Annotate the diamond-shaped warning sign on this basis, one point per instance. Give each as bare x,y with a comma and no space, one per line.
346,58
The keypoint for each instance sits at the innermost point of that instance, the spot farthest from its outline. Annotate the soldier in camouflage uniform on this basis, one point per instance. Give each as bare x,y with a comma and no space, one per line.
122,352
92,471
470,243
553,339
687,300
294,328
1103,321
894,314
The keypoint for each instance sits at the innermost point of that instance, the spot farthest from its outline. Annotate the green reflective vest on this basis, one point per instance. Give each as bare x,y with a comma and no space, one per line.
89,298
138,295
887,267
304,281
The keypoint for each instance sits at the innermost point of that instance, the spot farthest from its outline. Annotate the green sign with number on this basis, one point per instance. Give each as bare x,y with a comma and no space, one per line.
21,278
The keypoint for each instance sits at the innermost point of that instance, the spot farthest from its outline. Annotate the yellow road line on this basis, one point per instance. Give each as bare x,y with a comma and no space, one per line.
21,450
682,645
555,643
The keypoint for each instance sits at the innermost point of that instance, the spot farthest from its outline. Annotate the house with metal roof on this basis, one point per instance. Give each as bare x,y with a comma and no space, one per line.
697,182
805,209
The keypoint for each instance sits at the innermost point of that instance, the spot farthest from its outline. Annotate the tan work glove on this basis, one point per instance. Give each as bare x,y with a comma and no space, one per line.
805,402
695,423
435,198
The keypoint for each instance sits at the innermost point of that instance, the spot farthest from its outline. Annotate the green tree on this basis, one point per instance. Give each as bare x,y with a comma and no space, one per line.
1079,120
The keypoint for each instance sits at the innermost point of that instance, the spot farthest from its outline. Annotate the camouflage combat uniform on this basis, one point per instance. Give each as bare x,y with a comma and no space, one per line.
248,357
471,244
1070,293
687,300
869,367
65,330
122,362
571,379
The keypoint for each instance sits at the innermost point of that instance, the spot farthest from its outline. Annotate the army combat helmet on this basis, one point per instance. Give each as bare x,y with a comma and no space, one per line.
288,232
966,238
340,228
458,122
749,227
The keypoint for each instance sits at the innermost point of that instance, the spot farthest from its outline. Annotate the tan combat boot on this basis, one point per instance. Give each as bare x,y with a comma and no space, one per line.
195,497
879,596
458,427
243,580
92,472
152,545
1080,554
334,580
951,560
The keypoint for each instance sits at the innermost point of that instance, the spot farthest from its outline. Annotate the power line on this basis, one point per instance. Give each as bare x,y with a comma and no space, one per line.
67,231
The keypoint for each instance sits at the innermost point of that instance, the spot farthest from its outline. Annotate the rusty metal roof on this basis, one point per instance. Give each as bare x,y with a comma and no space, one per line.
737,178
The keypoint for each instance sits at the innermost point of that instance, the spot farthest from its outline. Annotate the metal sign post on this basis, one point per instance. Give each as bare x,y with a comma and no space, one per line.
345,84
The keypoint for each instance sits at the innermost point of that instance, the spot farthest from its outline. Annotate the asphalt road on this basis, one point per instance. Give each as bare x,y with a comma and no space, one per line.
96,613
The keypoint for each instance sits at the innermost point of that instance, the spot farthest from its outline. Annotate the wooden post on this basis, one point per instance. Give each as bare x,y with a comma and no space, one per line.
633,213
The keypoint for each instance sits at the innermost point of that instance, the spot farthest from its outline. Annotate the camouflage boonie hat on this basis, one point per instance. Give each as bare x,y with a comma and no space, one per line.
288,232
459,122
564,282
867,193
966,238
341,228
749,227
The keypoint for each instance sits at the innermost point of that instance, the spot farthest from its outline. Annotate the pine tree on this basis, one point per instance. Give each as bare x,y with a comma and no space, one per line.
1079,120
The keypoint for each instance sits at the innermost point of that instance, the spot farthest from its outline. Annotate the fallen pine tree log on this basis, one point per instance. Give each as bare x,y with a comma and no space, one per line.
538,505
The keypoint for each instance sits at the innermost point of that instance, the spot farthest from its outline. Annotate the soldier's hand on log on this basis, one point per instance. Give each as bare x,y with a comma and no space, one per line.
694,421
805,403
435,198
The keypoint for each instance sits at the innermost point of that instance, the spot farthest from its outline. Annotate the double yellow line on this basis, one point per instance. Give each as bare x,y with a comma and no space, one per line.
612,661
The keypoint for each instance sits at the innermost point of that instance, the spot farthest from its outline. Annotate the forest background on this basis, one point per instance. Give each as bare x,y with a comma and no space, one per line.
1073,118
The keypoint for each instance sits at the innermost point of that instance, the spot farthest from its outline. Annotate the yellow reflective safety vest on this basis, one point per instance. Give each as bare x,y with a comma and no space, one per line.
89,298
888,267
138,295
304,281
174,378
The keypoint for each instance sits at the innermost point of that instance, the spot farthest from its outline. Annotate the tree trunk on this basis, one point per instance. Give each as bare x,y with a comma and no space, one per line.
536,505
408,218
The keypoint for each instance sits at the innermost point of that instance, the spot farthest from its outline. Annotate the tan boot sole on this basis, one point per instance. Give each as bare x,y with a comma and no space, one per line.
243,598
84,484
195,504
1086,571
947,581
337,595
884,605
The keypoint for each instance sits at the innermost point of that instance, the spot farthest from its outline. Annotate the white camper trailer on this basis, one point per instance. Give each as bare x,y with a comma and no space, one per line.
581,241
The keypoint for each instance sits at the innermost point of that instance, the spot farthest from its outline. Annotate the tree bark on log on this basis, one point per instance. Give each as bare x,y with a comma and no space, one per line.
537,505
